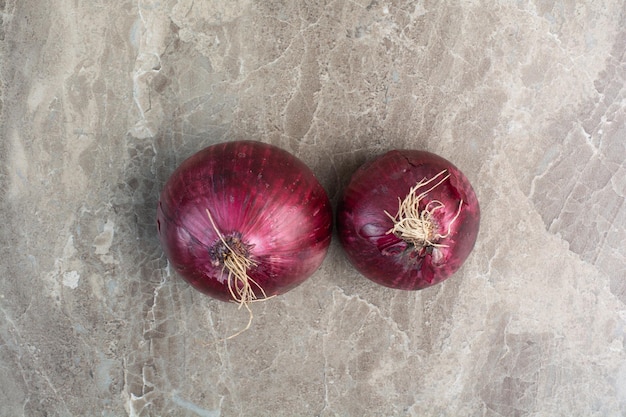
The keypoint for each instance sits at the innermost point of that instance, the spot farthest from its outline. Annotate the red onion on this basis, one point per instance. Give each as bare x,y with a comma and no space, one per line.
242,221
408,219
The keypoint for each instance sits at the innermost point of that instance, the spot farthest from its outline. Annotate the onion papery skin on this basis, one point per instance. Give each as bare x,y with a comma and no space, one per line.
384,257
257,193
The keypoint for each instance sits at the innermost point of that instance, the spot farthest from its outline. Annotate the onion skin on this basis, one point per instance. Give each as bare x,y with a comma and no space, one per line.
384,257
257,193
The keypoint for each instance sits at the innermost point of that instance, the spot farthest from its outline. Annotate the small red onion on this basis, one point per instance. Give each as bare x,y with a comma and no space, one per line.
408,219
242,221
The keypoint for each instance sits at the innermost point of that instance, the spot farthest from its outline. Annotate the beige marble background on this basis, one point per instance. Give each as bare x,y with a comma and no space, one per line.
101,100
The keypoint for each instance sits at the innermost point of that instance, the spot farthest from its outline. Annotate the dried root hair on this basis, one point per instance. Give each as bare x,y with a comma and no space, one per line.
240,284
418,227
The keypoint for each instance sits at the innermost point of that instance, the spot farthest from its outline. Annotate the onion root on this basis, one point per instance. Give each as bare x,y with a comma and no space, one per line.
418,227
240,284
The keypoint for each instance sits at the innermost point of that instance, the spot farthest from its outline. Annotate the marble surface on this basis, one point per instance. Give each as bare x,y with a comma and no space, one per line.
102,100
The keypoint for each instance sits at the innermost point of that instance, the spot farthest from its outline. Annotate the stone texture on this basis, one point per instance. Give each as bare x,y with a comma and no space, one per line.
102,100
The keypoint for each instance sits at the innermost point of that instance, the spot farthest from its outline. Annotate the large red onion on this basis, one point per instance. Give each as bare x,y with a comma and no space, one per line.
408,219
244,220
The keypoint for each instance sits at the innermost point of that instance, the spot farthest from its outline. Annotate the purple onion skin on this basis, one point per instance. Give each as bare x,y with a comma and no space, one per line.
260,193
385,258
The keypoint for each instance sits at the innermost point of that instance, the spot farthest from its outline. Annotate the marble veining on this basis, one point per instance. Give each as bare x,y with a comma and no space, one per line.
100,102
